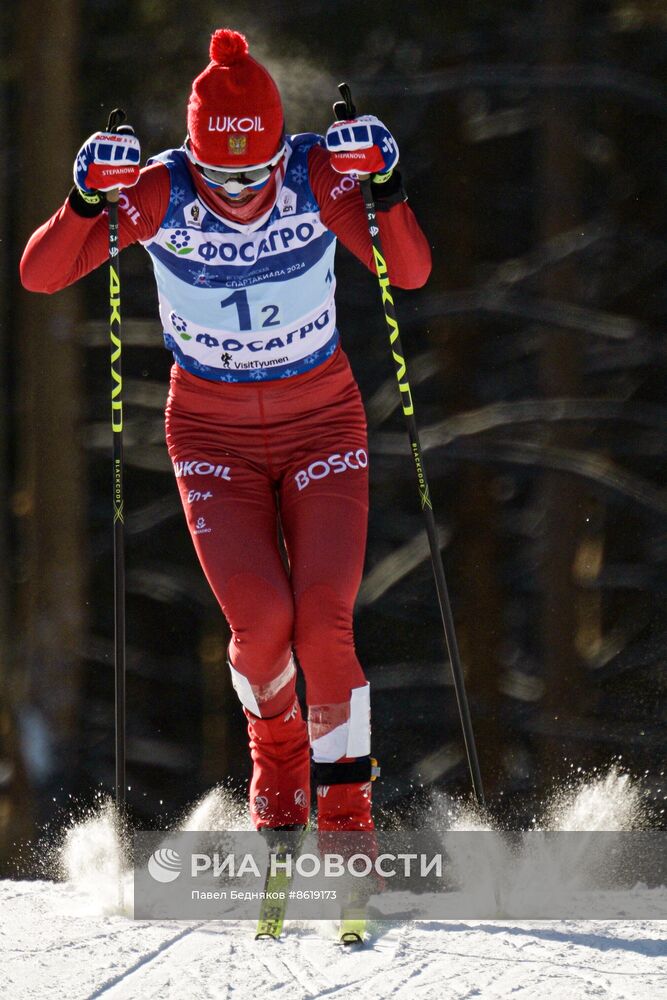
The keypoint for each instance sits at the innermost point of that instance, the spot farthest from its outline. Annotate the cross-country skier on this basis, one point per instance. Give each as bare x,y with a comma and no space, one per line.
263,414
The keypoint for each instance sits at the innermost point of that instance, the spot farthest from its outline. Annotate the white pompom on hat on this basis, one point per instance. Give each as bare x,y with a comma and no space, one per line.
235,114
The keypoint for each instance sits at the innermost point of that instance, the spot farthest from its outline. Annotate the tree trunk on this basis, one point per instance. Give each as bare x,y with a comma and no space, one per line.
49,502
475,589
562,496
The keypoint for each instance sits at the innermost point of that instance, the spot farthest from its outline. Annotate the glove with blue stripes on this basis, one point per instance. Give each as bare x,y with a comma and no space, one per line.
108,160
362,146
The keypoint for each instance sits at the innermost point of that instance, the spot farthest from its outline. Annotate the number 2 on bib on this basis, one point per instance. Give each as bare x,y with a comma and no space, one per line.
240,300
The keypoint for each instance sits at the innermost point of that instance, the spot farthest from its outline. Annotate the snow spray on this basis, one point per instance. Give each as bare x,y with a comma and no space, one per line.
511,872
219,809
93,860
93,857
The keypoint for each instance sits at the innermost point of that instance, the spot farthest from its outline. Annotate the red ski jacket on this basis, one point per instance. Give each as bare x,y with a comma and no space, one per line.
68,246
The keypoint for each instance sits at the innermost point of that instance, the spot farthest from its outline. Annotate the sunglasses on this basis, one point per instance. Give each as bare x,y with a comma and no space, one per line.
236,180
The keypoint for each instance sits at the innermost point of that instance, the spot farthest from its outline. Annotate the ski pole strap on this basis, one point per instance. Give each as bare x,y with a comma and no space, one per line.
346,772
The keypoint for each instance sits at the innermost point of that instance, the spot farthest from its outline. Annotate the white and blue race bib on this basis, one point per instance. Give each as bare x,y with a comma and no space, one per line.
239,303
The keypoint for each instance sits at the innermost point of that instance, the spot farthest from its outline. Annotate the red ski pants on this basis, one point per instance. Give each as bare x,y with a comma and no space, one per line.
244,455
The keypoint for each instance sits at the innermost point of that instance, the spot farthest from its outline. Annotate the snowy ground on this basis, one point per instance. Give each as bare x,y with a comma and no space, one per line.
49,950
69,938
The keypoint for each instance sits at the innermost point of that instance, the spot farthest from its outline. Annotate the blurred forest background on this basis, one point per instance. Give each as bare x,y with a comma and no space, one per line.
534,146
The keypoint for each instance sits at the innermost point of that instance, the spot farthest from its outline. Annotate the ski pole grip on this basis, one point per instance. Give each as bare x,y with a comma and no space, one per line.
116,119
345,109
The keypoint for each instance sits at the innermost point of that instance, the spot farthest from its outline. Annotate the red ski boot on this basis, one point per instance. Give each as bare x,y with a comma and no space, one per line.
280,785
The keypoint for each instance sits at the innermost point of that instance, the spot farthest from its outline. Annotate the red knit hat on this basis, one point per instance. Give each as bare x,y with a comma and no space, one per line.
235,115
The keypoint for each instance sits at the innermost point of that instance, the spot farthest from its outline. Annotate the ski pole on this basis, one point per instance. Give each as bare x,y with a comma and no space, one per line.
345,110
116,118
